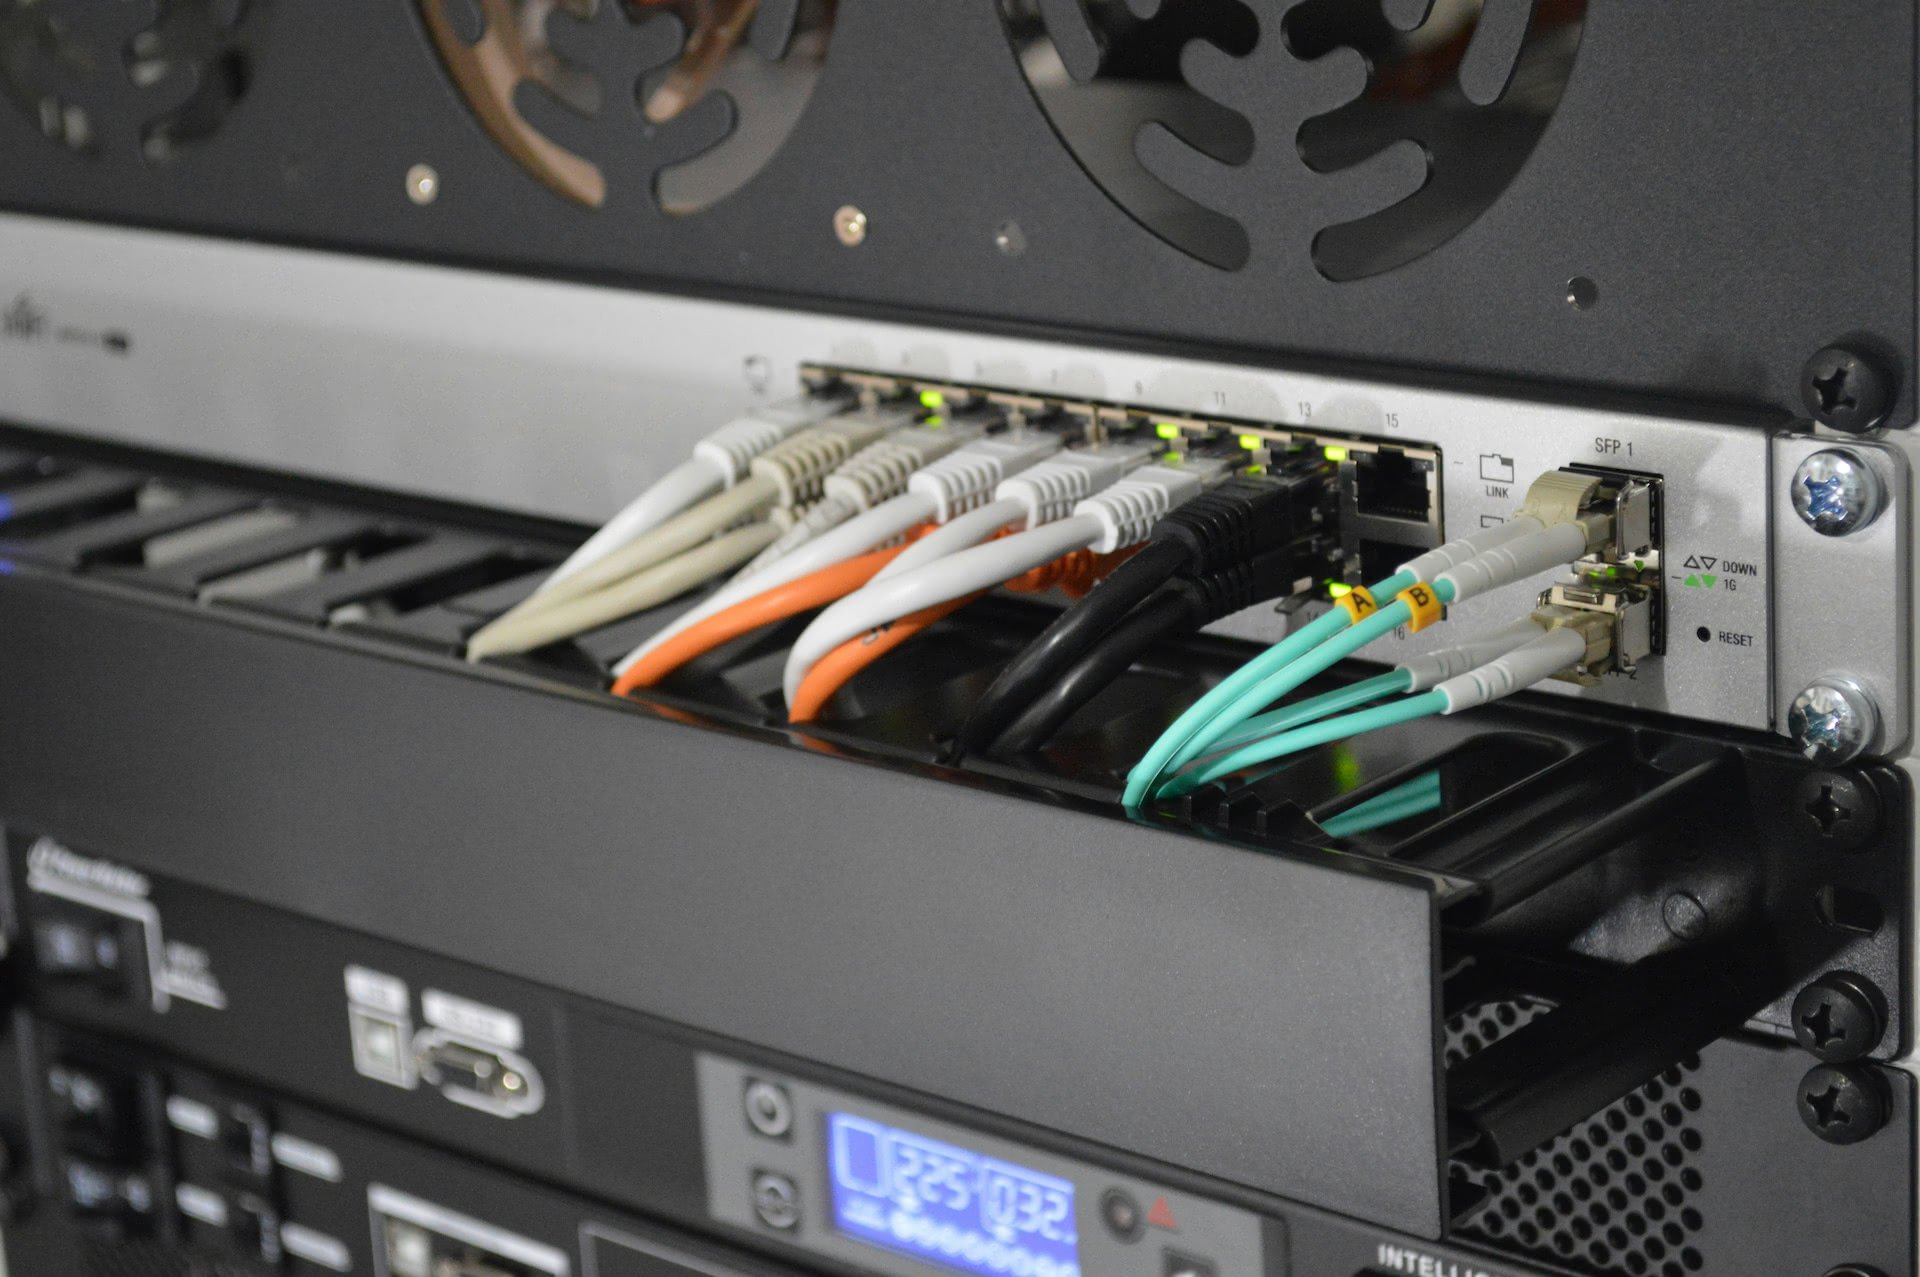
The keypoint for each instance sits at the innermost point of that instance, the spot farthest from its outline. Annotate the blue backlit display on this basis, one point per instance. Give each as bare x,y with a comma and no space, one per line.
948,1205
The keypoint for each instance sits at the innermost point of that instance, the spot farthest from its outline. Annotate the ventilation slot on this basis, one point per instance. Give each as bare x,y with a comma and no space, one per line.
397,580
207,538
62,499
277,578
124,538
1112,85
420,593
1473,85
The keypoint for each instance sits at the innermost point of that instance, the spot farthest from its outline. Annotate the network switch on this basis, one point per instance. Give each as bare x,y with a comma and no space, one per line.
1006,638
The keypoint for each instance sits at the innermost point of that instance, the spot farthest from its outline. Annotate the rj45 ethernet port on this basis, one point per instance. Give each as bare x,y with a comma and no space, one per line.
1393,484
1389,506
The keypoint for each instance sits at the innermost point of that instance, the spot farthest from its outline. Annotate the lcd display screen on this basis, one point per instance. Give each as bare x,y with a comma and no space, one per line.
948,1205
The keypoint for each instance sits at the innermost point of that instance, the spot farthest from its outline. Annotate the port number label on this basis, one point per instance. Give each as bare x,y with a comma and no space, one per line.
1613,447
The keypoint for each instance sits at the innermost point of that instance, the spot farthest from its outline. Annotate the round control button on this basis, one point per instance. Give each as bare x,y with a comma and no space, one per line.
1122,1215
776,1201
769,1109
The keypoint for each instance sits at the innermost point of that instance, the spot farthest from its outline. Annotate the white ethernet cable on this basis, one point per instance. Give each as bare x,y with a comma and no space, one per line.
949,492
672,558
958,534
636,592
789,475
1077,501
718,462
878,472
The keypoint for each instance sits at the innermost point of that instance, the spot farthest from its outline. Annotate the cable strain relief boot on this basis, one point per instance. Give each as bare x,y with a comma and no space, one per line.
1128,510
965,480
880,470
1551,653
829,514
799,467
1241,518
732,448
1050,489
1431,669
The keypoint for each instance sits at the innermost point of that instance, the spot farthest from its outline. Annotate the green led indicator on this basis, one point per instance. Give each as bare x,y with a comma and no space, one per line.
1172,458
1166,430
1252,443
934,423
932,399
1333,453
1346,769
1339,589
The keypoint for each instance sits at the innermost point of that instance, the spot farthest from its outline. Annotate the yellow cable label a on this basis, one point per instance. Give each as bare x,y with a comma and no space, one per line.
1423,604
1359,604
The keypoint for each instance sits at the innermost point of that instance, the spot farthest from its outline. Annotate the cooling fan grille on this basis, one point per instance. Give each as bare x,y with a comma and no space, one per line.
616,103
1370,132
152,78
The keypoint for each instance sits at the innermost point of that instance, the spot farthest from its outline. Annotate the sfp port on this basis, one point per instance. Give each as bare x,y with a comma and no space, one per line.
1630,610
1621,578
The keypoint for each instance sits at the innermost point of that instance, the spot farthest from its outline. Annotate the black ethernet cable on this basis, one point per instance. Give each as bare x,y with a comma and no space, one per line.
1179,606
1242,518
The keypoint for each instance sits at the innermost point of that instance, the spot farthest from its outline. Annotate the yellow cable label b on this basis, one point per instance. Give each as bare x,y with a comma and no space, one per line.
1423,604
1359,604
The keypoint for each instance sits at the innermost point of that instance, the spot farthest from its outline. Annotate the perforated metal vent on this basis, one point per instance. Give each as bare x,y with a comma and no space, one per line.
132,1259
1615,1197
152,1259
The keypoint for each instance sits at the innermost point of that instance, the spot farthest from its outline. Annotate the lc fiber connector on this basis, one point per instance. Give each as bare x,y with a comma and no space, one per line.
1620,579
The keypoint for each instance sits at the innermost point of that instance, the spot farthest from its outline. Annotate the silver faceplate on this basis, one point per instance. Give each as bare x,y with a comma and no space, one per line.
562,399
